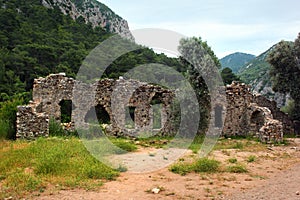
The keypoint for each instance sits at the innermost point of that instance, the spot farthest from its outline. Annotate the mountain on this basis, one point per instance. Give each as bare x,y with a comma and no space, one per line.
256,73
236,60
38,37
94,12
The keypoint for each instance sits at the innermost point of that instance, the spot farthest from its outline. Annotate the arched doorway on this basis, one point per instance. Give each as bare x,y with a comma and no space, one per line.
257,120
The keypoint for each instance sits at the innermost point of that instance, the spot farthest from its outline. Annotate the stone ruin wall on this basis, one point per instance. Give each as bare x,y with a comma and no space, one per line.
250,114
33,119
246,114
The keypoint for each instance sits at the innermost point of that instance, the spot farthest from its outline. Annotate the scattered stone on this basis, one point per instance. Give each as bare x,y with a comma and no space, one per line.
155,190
297,193
270,148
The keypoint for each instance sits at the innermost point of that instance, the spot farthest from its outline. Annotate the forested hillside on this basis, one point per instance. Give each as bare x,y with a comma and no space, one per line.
236,60
36,41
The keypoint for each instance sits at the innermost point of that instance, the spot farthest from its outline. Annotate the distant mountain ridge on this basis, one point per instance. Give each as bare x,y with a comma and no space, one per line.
236,60
256,73
94,12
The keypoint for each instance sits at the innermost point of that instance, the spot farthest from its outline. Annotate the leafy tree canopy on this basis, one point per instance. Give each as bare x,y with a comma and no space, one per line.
285,71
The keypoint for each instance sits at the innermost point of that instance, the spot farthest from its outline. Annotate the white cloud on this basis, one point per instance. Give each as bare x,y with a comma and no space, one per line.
250,26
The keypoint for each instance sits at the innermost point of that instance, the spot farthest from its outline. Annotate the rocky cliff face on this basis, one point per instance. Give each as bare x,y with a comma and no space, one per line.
92,12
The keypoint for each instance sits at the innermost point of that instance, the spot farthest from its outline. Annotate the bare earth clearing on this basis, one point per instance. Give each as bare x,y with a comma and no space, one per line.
275,174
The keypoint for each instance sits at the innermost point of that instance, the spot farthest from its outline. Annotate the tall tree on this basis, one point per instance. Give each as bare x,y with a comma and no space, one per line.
285,71
202,62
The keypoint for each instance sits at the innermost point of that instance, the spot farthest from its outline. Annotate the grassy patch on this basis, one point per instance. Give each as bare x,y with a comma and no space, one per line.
124,144
29,166
201,165
232,160
251,158
245,144
237,169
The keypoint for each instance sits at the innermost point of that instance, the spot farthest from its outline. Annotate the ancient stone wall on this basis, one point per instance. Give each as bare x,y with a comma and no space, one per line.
248,114
111,96
128,107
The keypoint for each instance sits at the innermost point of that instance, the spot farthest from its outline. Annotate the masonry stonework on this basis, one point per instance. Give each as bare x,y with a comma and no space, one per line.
113,96
246,113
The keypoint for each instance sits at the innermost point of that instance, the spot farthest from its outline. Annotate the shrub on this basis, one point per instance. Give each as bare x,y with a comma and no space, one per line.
55,129
200,165
8,117
181,168
206,165
4,129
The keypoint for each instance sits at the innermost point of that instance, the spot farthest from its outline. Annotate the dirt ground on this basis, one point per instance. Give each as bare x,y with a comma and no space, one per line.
274,175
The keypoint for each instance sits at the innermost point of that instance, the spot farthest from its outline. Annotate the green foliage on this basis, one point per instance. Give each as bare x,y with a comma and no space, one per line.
228,76
285,71
236,61
124,144
30,166
251,159
197,52
36,41
4,129
204,165
237,169
55,129
181,168
8,116
289,108
232,160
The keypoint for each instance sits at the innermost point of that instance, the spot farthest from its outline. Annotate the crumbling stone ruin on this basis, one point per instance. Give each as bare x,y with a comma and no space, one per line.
253,114
149,109
55,90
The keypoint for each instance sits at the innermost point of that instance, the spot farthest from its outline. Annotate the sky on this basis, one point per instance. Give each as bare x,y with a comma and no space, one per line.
228,26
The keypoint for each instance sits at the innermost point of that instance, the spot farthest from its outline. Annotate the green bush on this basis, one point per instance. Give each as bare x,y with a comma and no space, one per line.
55,129
206,165
8,117
181,168
4,129
201,165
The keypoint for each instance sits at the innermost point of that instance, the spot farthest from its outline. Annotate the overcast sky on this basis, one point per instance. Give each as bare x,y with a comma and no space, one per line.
250,26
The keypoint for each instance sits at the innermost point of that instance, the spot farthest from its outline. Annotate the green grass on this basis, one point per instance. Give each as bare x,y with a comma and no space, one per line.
232,160
4,129
26,167
201,165
237,169
251,158
124,144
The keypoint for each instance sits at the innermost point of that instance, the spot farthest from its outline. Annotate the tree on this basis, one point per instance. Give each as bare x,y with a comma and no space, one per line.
285,71
201,61
228,76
